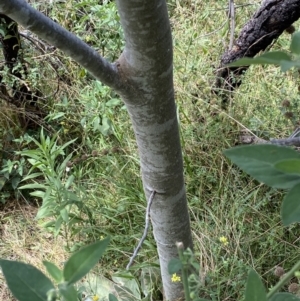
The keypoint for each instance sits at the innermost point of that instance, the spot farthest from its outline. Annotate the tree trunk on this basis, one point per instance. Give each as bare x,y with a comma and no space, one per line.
266,25
21,96
143,76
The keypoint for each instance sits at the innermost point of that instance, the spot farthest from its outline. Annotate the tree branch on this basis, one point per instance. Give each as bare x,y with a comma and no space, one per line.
266,25
31,19
286,142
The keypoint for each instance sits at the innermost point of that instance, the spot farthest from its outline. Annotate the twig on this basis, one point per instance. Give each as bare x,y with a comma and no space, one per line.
147,219
287,141
293,140
231,16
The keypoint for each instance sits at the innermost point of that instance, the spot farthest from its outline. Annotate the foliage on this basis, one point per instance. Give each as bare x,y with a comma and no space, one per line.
222,200
97,23
255,289
276,166
61,199
11,175
29,284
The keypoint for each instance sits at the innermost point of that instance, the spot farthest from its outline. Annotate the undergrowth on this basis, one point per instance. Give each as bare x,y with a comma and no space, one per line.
104,163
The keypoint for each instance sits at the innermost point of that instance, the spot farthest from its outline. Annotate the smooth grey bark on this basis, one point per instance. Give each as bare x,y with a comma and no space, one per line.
147,62
143,76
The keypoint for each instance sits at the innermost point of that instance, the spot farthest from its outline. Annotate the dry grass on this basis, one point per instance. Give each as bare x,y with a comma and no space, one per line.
24,240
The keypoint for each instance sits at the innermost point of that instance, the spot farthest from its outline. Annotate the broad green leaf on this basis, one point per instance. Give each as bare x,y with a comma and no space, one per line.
284,297
106,126
68,292
80,263
113,102
26,282
64,214
273,58
290,208
15,182
150,280
100,286
130,283
54,271
69,181
291,166
255,290
259,162
287,65
295,44
174,266
112,297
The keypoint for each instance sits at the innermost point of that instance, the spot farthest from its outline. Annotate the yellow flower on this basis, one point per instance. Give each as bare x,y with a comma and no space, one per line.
175,278
95,298
223,240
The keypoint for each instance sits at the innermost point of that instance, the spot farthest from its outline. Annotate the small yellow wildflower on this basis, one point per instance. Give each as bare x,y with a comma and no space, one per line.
95,298
223,240
175,278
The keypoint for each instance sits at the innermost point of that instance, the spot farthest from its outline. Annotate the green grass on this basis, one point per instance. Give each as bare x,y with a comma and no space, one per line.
223,201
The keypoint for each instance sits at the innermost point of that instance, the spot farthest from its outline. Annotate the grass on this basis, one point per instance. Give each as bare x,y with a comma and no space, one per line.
223,201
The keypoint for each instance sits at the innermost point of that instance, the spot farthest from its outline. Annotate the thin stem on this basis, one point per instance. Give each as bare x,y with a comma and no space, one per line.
147,224
184,271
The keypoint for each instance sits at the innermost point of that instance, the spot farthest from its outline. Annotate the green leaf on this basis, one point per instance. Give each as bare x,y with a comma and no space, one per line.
273,58
38,193
295,44
32,176
69,181
285,65
15,182
58,225
68,292
284,297
112,297
53,270
255,290
174,266
129,282
80,263
291,166
113,102
100,286
26,282
64,214
43,212
33,186
150,280
290,208
259,162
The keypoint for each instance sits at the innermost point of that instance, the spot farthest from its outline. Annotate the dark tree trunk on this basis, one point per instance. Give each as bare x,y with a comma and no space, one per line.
21,94
266,25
